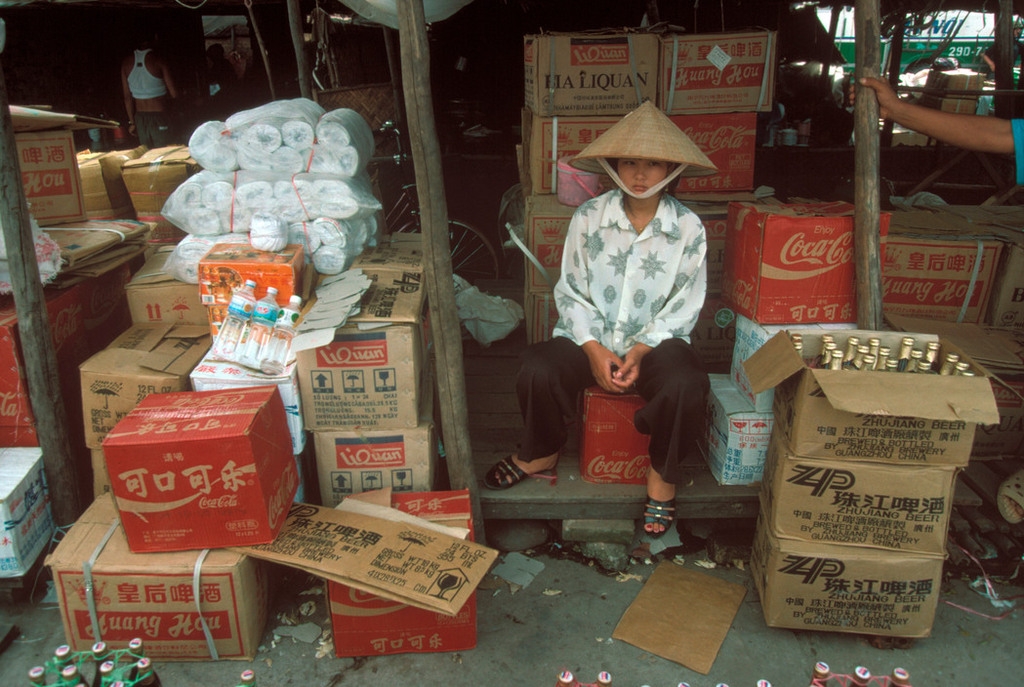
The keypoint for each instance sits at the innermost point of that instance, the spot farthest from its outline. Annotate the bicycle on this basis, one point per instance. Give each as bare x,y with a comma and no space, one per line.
473,254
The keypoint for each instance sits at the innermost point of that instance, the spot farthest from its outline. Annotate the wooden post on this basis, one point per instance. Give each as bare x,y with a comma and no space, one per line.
426,156
1006,55
865,131
299,44
62,474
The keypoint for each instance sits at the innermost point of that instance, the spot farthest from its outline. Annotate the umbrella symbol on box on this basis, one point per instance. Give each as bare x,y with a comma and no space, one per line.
412,538
105,389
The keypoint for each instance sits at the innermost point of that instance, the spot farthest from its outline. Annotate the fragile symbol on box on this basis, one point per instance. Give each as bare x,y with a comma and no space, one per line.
384,379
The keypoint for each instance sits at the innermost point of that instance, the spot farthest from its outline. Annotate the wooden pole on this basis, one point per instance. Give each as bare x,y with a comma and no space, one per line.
62,474
447,335
1006,55
865,131
299,44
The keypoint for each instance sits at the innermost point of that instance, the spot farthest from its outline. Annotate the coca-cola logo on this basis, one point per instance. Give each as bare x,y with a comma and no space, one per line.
718,139
803,257
47,182
9,404
353,354
591,54
606,468
65,324
217,400
281,500
367,455
213,503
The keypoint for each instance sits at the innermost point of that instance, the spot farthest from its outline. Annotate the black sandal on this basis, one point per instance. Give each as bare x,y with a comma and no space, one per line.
659,513
505,473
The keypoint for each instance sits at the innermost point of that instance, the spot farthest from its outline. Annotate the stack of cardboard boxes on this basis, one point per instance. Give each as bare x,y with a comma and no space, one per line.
577,86
858,486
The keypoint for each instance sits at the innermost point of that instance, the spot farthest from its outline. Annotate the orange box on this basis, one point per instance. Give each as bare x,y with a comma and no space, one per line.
368,625
611,450
228,265
202,469
792,263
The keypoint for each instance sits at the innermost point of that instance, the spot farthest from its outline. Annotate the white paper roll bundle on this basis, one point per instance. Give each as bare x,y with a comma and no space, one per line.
213,148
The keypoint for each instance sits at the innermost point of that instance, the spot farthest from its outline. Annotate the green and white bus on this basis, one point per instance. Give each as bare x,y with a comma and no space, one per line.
961,35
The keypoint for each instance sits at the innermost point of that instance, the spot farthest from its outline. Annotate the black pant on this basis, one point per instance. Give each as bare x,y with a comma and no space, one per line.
672,381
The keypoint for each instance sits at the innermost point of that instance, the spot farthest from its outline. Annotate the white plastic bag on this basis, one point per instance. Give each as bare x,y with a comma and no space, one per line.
486,317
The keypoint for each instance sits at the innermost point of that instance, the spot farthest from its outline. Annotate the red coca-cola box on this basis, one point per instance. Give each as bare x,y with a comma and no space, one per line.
729,140
369,625
67,331
792,263
202,469
612,451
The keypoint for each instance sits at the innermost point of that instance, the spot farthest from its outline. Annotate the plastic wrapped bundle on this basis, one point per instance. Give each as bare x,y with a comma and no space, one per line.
213,147
302,233
345,141
268,232
183,262
326,196
332,260
298,134
199,203
277,112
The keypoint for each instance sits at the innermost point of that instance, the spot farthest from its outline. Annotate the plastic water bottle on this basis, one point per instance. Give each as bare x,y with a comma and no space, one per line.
279,348
264,317
233,330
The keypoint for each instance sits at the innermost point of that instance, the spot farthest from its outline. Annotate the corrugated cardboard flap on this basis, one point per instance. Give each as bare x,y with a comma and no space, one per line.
177,353
773,363
153,271
934,397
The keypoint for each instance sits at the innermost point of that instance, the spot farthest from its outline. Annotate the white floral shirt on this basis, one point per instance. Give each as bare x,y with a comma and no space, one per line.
621,288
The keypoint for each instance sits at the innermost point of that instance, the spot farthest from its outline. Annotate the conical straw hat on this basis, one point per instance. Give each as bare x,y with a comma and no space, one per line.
647,134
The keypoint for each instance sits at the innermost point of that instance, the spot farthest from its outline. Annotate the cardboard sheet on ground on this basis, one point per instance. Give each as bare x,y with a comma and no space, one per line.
682,615
400,561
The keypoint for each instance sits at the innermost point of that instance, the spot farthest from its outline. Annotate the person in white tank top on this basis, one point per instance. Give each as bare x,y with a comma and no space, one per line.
148,88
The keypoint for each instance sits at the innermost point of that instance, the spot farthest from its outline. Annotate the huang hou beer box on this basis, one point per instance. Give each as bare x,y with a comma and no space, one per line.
885,417
792,263
152,595
202,469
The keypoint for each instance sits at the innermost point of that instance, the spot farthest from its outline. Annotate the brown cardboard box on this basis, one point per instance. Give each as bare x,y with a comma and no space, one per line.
714,334
100,476
371,553
596,73
545,227
156,297
541,315
965,105
49,175
1006,306
151,179
546,140
150,595
400,459
717,72
370,377
202,469
815,586
855,503
106,196
887,417
143,360
1007,437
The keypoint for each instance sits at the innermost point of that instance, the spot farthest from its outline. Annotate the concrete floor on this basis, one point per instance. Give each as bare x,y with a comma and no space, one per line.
564,619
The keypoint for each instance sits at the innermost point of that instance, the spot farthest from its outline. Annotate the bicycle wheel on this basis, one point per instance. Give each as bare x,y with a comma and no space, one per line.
473,254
